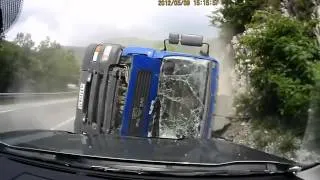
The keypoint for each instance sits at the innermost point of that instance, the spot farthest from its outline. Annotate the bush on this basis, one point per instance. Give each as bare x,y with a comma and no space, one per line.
271,139
282,53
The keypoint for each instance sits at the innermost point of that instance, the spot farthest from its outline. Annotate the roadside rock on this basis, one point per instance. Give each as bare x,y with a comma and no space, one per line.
220,123
239,132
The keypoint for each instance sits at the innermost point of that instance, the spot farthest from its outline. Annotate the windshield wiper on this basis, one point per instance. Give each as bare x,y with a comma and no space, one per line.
213,173
227,169
184,172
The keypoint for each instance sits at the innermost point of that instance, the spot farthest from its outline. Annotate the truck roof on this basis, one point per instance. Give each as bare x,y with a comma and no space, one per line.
153,53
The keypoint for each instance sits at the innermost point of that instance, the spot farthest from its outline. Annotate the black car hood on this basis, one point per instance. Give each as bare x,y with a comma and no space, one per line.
198,151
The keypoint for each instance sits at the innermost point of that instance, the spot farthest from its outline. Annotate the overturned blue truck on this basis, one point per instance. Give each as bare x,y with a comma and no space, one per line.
137,91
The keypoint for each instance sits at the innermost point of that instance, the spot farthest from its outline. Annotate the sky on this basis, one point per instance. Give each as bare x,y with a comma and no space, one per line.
80,22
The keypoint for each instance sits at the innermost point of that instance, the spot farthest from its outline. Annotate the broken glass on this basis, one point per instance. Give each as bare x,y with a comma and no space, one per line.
182,88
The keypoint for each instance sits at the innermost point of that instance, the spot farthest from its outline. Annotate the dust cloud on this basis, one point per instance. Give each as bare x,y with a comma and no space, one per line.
223,53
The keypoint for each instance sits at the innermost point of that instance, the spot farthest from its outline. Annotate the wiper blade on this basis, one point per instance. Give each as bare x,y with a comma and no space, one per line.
184,172
234,169
117,170
214,173
217,172
238,169
225,169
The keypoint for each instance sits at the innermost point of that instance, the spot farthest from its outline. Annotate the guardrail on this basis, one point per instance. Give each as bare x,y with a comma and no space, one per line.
36,94
6,98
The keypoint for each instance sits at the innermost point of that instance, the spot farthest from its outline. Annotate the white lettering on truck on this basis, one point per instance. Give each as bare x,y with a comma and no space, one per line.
81,95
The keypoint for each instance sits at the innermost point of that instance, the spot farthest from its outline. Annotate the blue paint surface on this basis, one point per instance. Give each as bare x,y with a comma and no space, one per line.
140,63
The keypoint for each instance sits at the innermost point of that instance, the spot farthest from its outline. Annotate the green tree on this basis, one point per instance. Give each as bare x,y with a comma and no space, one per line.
282,53
59,66
301,9
235,14
9,54
47,67
24,41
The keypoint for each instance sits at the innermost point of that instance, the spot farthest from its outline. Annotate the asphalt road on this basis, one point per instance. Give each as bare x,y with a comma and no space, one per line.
49,114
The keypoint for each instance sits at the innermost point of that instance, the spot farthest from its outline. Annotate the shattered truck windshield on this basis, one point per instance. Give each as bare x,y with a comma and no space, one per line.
182,95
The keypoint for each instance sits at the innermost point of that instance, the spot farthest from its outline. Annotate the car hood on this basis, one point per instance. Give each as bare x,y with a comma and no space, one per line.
199,151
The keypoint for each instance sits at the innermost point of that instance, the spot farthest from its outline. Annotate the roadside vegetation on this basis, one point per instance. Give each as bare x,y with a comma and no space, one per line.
25,67
275,49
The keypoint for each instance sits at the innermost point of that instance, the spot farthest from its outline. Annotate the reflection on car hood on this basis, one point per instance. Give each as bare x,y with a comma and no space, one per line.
213,151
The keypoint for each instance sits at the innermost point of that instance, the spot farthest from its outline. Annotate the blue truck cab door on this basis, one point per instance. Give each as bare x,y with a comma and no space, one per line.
142,90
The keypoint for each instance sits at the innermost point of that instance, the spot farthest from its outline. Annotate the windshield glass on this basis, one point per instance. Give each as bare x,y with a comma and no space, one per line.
222,73
182,95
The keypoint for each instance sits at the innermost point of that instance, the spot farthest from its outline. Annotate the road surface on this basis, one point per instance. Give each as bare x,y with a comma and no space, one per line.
49,114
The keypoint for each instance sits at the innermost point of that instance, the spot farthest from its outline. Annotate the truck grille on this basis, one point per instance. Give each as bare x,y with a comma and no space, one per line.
140,100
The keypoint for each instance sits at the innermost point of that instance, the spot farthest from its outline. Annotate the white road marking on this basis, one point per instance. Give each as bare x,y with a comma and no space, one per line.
63,123
8,110
30,105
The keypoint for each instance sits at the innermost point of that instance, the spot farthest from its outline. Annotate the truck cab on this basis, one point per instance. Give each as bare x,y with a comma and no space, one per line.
137,91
